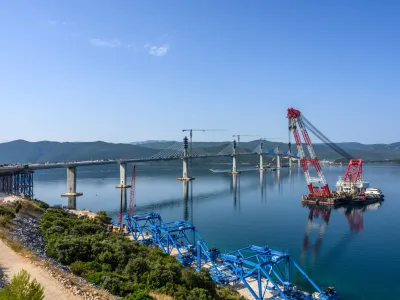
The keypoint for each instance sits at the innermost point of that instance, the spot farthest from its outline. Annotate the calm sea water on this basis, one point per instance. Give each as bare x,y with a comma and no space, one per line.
356,250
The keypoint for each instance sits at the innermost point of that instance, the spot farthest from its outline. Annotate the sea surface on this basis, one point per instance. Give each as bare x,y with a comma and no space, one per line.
354,249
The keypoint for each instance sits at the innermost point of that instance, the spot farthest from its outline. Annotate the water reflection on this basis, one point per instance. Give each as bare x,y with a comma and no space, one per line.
263,186
236,191
318,220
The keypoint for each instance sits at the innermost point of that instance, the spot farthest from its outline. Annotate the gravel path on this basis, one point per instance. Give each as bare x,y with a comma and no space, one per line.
12,263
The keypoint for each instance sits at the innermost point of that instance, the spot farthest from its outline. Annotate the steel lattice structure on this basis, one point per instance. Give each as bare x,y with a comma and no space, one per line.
20,184
266,273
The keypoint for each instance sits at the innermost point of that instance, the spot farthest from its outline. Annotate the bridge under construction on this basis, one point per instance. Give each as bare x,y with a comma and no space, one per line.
18,179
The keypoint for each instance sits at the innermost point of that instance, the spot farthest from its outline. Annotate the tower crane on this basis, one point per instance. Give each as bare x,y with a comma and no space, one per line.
191,140
353,173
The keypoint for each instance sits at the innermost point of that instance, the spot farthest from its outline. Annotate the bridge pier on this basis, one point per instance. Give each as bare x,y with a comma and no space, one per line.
234,161
122,177
290,162
278,161
71,202
185,161
71,183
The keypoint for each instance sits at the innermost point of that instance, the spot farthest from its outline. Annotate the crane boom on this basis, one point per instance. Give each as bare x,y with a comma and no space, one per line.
353,171
295,119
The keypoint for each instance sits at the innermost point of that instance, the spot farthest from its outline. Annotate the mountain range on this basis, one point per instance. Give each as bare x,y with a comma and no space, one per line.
20,151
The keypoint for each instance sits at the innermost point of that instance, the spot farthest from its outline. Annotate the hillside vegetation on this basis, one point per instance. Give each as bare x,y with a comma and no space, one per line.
120,265
22,151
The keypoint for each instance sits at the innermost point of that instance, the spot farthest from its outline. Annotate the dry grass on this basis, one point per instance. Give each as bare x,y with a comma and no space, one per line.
160,296
13,244
30,208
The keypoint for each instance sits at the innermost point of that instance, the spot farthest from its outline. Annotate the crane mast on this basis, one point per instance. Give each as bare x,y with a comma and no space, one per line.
295,122
132,195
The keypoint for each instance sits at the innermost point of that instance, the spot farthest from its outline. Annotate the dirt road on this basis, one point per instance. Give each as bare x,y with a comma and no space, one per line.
12,263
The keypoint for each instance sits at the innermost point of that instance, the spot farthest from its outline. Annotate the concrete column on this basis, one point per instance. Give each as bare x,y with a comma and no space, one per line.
298,162
278,161
185,162
71,183
122,177
185,166
290,162
234,160
71,202
261,166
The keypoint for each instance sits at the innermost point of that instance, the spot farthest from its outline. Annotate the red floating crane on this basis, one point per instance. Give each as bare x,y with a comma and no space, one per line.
295,119
353,173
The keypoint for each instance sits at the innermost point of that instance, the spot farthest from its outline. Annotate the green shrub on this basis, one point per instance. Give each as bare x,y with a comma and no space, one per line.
22,288
118,264
5,220
41,204
139,295
5,211
17,207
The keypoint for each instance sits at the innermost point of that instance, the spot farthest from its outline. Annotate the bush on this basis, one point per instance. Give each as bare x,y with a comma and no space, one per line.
139,295
118,264
41,204
5,211
5,220
18,207
22,288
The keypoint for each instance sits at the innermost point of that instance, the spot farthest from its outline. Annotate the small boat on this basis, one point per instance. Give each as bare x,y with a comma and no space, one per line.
373,192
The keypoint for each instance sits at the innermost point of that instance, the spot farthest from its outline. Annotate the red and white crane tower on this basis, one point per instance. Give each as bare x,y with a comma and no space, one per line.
353,173
295,120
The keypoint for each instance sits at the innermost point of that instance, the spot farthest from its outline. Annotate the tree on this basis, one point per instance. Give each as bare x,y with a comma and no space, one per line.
22,288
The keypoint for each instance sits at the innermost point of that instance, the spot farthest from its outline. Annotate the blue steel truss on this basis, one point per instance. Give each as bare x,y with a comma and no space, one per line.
270,269
141,226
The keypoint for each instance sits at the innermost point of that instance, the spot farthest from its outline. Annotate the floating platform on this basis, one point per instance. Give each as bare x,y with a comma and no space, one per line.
125,186
340,200
71,194
234,173
185,178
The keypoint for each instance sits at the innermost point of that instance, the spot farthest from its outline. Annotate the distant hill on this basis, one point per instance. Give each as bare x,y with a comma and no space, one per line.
379,152
21,151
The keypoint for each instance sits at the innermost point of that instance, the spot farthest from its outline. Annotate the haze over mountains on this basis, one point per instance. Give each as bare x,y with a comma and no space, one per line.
20,151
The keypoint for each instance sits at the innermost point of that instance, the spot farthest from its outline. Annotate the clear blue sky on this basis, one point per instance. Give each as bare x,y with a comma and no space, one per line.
123,71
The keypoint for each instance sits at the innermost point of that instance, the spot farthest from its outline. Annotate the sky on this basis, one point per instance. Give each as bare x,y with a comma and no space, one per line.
124,71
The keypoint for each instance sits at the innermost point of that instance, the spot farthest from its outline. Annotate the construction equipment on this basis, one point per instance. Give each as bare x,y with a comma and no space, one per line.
294,117
191,143
266,273
132,194
350,188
